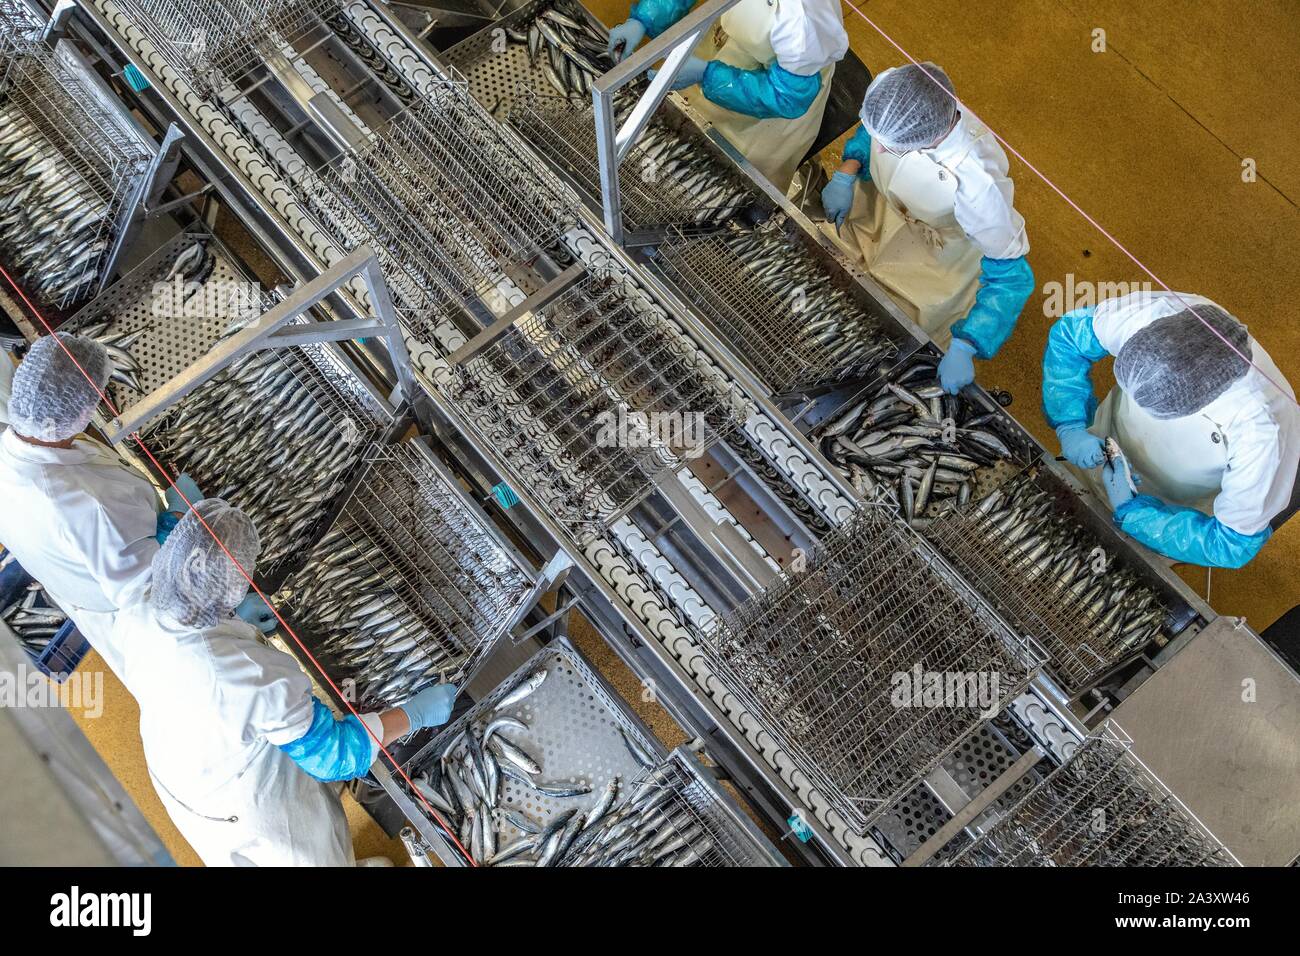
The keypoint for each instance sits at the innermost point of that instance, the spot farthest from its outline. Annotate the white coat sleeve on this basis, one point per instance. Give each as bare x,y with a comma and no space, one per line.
118,546
261,690
985,203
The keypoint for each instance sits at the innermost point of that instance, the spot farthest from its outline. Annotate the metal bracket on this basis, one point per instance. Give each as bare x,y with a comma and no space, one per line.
270,331
530,305
673,46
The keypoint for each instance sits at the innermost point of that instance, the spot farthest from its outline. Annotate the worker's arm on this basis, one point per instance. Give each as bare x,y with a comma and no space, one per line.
1186,534
1072,349
118,546
1005,287
857,155
658,15
764,93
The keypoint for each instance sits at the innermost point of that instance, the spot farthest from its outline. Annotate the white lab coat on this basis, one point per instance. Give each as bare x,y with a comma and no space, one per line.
216,703
927,218
6,386
82,522
805,37
1235,459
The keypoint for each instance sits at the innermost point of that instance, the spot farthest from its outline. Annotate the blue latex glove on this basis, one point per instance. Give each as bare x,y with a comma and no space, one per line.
431,707
332,749
254,610
625,38
692,72
1115,481
769,93
837,198
167,521
191,491
957,369
1005,287
1186,534
1080,447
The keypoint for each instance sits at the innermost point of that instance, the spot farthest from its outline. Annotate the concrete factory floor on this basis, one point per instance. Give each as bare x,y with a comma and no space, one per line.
1149,137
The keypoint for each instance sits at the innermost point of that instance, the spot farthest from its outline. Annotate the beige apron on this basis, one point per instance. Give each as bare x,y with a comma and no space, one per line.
742,37
903,225
1178,459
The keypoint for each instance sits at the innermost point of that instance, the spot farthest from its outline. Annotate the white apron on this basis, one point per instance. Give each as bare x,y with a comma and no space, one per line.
1178,459
904,226
742,37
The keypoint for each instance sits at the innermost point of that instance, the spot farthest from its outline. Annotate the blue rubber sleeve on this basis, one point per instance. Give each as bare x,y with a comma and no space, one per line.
1005,287
332,749
1072,348
766,94
1186,534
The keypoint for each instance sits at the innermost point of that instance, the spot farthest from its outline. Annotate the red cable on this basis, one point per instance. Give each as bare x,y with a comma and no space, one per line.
1074,205
163,471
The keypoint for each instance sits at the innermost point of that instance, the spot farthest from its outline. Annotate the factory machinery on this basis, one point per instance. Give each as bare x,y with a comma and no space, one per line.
526,341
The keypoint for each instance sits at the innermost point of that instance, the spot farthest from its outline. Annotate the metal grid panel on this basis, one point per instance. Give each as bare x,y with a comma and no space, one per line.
166,314
559,395
276,434
86,165
817,659
452,210
215,43
691,827
776,307
1053,580
1102,807
575,729
19,26
665,179
410,585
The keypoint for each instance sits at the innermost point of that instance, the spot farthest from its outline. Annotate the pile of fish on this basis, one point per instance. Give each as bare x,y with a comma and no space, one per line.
368,633
259,437
126,370
909,434
1025,526
32,617
566,47
53,233
618,826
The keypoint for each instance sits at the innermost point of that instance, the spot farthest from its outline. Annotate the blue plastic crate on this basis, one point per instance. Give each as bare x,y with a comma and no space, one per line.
66,648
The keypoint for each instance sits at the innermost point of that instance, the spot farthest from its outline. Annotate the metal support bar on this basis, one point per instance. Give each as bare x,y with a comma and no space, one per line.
722,541
260,334
530,305
674,45
962,818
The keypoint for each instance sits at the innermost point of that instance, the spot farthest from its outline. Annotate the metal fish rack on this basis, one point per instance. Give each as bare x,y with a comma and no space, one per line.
46,98
19,27
171,320
654,194
699,811
1102,807
1080,621
782,330
449,578
214,44
575,727
819,656
256,467
453,211
570,396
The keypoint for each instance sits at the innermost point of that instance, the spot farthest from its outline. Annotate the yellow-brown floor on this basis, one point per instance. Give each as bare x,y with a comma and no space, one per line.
1149,137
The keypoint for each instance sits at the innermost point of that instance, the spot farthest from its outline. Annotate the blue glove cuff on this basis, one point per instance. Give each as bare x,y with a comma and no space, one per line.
961,345
845,178
167,522
331,750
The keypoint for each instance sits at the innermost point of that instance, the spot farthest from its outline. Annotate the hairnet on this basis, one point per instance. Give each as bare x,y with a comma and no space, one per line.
51,399
907,109
1176,366
808,35
193,580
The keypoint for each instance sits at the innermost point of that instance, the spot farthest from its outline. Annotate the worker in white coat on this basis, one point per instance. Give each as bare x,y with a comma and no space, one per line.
240,752
763,71
1214,442
923,197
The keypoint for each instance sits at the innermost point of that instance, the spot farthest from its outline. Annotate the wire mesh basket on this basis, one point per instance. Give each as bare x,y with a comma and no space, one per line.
410,585
870,665
593,398
276,434
1102,807
692,824
1051,579
72,165
665,178
451,210
20,28
216,44
776,306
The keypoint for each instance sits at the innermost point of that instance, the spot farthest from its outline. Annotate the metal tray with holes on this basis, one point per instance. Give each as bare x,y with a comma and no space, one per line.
573,719
178,334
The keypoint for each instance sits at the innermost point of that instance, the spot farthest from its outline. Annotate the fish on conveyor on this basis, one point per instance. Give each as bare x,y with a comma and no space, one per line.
908,434
566,46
